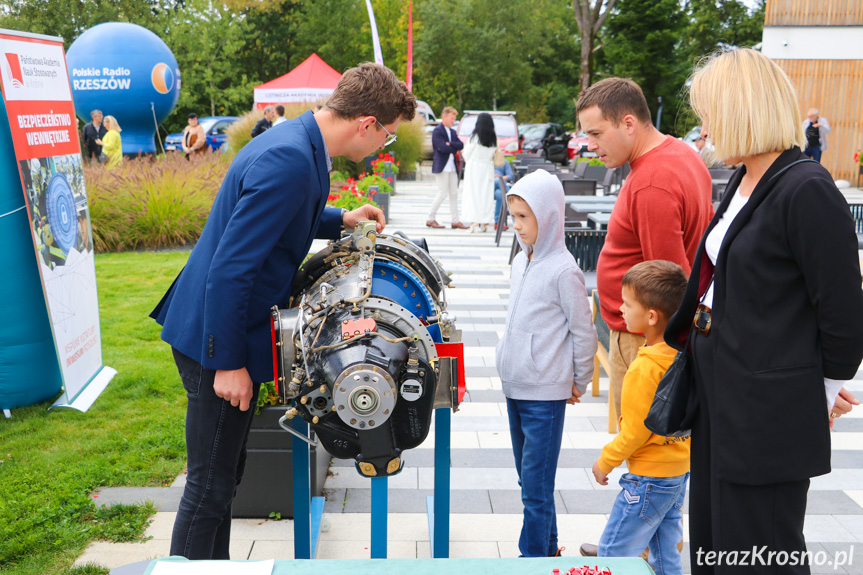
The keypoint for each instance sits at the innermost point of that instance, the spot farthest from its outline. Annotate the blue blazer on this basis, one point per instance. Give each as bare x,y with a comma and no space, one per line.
267,212
442,152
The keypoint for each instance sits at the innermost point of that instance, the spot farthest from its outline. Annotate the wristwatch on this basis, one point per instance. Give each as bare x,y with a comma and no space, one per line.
344,211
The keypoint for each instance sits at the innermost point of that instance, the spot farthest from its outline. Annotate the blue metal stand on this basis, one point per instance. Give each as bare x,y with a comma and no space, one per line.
437,505
379,518
307,510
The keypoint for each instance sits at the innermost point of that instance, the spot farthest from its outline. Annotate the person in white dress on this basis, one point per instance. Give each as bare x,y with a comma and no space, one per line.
478,195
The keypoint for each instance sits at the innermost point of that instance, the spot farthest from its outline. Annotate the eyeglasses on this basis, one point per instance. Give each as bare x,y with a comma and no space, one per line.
391,138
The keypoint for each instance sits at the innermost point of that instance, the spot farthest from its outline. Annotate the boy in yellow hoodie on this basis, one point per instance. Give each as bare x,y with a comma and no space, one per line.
648,510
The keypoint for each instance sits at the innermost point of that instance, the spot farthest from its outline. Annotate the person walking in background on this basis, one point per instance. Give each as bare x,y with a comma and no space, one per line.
112,144
816,128
264,123
545,356
280,115
445,147
479,174
94,131
773,315
503,171
194,138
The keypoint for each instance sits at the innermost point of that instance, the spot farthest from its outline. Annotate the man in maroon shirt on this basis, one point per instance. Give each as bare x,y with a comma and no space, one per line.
662,210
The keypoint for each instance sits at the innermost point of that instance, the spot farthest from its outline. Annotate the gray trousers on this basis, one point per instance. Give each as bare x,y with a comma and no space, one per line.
447,186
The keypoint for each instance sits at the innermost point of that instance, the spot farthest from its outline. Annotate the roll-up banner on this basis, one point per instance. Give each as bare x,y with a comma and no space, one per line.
38,100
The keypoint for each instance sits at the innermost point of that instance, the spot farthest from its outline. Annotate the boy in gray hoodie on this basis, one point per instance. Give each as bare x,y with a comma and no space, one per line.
545,358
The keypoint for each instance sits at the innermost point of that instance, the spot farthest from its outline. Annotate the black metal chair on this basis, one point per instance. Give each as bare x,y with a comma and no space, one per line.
607,181
548,167
595,173
502,216
583,244
579,168
579,187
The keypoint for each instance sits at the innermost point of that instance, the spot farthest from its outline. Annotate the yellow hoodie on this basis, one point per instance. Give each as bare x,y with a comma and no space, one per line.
646,453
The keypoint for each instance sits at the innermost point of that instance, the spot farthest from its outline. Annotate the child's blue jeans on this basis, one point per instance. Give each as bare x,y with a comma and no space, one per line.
647,513
536,428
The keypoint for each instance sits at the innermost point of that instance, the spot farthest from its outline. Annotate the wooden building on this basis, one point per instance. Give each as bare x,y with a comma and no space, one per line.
819,43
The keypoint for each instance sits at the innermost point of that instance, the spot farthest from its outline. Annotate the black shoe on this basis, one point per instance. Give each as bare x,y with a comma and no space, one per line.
588,549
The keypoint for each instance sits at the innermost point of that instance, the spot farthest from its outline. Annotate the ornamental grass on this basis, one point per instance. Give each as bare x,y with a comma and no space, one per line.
152,204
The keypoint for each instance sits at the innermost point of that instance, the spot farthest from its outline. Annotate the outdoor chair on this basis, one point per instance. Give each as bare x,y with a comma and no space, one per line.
579,168
579,187
607,181
595,173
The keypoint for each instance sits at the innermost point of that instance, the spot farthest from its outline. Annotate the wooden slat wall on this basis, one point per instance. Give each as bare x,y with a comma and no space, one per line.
814,13
835,87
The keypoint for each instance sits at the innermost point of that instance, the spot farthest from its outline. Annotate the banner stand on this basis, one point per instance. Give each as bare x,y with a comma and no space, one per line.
90,393
37,102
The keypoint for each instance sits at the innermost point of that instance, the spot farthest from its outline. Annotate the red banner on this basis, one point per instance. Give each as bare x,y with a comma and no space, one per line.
410,72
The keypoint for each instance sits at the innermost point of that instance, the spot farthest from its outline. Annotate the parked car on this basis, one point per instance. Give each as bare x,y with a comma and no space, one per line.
427,150
691,136
505,127
577,147
548,139
214,128
426,112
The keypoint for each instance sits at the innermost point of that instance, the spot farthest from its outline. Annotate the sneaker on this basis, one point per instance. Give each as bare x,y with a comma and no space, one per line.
588,550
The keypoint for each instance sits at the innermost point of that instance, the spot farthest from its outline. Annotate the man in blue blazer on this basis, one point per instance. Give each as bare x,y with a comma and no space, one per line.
445,145
216,314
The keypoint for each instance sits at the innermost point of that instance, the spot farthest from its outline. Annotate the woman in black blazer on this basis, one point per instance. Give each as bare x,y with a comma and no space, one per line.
774,316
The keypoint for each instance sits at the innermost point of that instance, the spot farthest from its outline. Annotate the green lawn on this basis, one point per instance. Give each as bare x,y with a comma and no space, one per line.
51,462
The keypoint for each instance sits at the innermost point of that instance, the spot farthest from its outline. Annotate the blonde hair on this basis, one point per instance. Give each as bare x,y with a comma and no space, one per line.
448,110
110,122
747,103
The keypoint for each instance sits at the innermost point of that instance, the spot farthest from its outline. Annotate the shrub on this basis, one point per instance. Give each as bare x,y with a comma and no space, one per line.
240,132
149,204
408,148
350,196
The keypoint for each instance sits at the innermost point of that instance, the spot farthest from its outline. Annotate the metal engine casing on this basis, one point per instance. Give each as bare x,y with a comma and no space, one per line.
356,353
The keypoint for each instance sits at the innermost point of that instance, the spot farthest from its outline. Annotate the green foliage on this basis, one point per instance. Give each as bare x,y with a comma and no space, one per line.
152,204
639,36
408,147
267,396
52,462
384,186
121,523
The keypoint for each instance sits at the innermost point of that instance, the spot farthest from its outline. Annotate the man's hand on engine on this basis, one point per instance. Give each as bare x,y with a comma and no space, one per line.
366,212
235,386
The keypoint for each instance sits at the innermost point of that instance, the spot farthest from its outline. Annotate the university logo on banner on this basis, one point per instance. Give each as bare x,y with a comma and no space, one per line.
44,130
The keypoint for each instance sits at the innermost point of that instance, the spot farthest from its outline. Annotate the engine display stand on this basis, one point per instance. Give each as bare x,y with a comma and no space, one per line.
308,510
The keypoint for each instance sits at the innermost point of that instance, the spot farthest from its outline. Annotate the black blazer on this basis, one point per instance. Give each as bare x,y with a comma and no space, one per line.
787,312
91,135
442,152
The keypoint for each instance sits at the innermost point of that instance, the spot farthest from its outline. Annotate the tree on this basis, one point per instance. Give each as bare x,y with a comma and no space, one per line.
640,42
590,18
715,24
206,41
70,18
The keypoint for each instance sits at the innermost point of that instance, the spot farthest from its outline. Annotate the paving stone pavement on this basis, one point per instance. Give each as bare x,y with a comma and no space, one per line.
486,506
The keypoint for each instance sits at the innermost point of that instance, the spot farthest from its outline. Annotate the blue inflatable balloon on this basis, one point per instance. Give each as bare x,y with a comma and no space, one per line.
127,72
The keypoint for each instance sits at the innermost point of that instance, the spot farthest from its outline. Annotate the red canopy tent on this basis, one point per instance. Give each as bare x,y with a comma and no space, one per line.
311,80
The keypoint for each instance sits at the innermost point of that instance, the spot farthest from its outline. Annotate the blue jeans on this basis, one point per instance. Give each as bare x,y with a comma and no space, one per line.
497,199
814,153
647,513
216,436
536,428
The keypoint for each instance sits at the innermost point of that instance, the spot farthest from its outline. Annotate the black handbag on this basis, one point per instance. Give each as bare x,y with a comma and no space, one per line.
667,413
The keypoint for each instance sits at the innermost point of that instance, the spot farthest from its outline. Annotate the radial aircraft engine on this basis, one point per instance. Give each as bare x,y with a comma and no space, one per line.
366,351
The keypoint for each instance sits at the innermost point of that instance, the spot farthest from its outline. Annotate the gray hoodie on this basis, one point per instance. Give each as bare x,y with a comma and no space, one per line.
549,342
